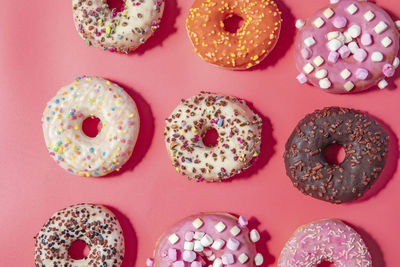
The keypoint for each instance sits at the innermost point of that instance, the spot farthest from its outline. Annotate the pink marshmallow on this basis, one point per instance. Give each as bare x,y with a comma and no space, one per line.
388,70
195,264
361,73
333,56
189,255
306,53
243,222
172,254
189,236
366,39
340,22
344,51
360,55
149,262
233,243
302,78
178,264
227,259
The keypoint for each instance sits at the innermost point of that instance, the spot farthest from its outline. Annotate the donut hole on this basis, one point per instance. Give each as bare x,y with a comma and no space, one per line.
78,250
91,126
326,264
334,154
232,23
116,5
210,138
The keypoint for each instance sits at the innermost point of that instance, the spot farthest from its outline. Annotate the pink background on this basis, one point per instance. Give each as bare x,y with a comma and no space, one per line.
40,52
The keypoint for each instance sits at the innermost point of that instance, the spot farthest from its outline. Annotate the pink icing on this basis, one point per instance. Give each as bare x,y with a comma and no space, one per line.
326,240
369,41
186,232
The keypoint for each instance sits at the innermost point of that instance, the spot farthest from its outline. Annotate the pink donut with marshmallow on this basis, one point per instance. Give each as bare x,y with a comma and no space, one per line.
348,46
325,241
205,239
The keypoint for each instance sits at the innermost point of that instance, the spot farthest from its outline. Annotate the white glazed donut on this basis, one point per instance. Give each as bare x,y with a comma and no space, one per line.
96,225
121,31
238,127
70,147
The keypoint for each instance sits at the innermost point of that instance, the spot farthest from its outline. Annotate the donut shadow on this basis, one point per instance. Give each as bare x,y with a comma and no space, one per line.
373,247
267,150
285,41
131,245
390,166
146,131
261,245
167,28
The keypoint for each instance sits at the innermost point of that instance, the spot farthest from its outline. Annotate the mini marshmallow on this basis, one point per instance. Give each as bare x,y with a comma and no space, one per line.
227,259
388,70
321,74
211,257
233,243
333,57
207,252
341,37
325,83
396,62
198,247
328,13
369,15
354,31
236,230
173,238
334,45
189,236
383,84
397,22
172,254
318,61
348,86
198,235
318,22
189,256
340,22
195,264
362,73
220,226
353,46
254,236
149,262
243,258
188,245
334,1
178,264
310,41
308,68
377,57
345,74
258,259
347,37
243,222
332,35
380,27
344,51
300,23
306,53
218,244
366,39
360,55
386,41
217,262
197,223
301,78
206,240
352,9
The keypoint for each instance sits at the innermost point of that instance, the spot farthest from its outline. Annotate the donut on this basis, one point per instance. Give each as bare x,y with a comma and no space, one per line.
94,224
348,46
246,47
66,142
207,239
364,141
113,30
239,141
325,241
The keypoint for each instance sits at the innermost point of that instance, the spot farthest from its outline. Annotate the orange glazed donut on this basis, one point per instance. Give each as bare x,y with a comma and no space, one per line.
246,47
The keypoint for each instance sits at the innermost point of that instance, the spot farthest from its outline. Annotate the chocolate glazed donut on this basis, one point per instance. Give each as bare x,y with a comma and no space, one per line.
364,141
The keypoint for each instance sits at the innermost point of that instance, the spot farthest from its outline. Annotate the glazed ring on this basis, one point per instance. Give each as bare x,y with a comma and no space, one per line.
325,241
364,141
112,30
348,46
96,225
248,46
238,127
208,239
62,122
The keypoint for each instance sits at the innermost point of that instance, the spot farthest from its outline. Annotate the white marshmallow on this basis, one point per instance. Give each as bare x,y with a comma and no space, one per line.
332,35
308,68
318,61
352,9
396,62
220,226
383,84
198,247
321,74
218,244
235,230
198,235
206,240
197,223
211,257
348,86
310,41
188,245
345,74
173,238
353,46
334,45
243,258
254,236
258,259
380,27
347,37
300,23
325,83
377,57
386,41
369,15
328,13
319,22
354,31
217,262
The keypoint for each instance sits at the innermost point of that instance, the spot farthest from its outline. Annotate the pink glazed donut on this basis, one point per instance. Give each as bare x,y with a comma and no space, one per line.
348,46
325,240
205,239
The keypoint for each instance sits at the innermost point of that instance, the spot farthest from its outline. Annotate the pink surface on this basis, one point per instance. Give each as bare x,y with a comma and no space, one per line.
40,52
